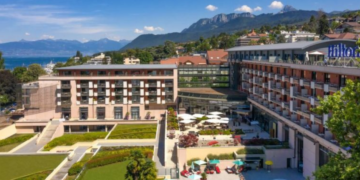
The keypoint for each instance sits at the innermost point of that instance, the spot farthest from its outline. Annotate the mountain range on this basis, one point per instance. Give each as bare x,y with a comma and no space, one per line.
61,48
228,23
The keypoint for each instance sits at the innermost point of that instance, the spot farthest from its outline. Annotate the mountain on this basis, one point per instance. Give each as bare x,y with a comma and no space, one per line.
228,23
287,8
60,47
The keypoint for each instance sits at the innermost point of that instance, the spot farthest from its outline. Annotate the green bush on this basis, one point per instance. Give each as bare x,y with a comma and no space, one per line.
17,138
224,156
239,132
201,119
70,139
215,132
191,160
172,122
134,131
250,151
77,167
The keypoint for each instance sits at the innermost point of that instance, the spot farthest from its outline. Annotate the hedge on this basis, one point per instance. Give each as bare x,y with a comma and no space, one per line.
260,142
17,138
78,166
215,132
172,122
224,156
70,139
250,151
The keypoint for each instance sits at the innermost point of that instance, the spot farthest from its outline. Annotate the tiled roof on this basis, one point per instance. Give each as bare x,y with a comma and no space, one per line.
184,59
352,24
216,56
341,36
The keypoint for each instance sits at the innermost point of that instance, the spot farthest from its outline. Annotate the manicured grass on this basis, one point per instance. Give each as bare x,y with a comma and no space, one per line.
13,141
114,171
36,176
70,139
12,167
134,131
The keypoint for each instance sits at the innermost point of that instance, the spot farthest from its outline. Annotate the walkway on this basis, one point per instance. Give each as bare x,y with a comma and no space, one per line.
30,147
76,157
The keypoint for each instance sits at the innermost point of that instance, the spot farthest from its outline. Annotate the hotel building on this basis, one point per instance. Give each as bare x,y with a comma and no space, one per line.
283,83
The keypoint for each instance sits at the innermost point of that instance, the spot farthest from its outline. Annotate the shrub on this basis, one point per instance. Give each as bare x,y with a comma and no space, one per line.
215,132
189,140
212,143
18,138
191,160
172,122
250,151
239,132
201,119
224,156
77,167
70,139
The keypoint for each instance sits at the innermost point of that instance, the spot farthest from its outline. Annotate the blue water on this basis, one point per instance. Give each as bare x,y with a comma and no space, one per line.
12,62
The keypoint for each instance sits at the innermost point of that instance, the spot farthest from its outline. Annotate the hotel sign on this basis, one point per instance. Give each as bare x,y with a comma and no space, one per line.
340,50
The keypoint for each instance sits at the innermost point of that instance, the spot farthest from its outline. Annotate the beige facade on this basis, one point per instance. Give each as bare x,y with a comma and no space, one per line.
103,92
131,60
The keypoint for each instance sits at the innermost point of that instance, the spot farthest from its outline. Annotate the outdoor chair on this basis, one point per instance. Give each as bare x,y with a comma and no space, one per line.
185,173
217,169
229,170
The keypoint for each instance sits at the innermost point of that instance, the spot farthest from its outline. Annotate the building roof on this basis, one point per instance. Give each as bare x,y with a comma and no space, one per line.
284,46
196,60
118,66
341,36
352,24
217,55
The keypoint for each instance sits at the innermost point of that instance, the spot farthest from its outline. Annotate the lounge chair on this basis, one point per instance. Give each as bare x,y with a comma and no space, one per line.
185,173
229,170
217,169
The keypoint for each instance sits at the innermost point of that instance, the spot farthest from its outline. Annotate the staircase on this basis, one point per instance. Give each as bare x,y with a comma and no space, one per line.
49,132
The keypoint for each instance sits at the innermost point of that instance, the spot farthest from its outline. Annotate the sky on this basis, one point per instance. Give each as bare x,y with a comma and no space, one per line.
86,20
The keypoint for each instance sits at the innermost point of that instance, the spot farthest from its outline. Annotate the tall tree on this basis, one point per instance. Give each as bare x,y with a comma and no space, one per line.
145,57
33,73
281,39
78,54
140,167
2,61
323,26
169,48
8,84
345,125
3,100
19,71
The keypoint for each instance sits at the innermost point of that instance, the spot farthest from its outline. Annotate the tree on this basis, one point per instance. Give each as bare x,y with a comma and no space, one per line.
263,40
323,26
281,39
253,42
344,124
33,73
8,85
145,57
140,167
78,54
346,30
189,140
169,48
2,61
214,42
3,100
18,72
58,65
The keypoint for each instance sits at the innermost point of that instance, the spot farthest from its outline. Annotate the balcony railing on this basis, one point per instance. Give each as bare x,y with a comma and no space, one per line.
84,85
119,92
101,101
101,93
169,84
65,86
65,94
101,85
135,92
119,84
152,84
119,101
84,102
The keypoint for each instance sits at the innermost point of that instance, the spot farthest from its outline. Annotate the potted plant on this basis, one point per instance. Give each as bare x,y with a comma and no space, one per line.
203,176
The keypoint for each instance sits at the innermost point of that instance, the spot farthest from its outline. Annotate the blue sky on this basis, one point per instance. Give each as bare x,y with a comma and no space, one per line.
85,20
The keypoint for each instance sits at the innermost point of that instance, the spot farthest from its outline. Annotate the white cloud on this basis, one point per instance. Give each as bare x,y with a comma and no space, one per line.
27,34
138,31
114,38
152,28
244,8
211,7
258,8
45,36
276,5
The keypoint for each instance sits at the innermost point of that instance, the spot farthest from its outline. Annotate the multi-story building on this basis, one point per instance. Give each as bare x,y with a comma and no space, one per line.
283,83
131,60
102,92
296,36
253,36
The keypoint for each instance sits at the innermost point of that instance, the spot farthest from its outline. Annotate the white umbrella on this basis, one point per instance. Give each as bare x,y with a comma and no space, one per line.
216,113
225,119
216,121
213,116
187,121
185,116
198,115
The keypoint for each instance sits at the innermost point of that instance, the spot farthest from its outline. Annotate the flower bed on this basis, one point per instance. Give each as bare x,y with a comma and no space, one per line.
215,132
70,139
172,122
250,151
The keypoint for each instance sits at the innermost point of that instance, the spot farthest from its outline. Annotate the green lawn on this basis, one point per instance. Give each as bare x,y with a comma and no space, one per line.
134,131
36,176
19,166
13,141
115,171
70,139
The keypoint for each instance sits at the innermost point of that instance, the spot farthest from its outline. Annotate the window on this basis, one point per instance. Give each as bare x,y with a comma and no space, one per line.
120,73
302,73
119,99
83,113
67,73
168,72
327,78
101,73
135,99
313,76
135,112
85,73
118,113
152,73
135,82
100,112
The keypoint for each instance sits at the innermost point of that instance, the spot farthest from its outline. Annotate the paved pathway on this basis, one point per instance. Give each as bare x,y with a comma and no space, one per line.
64,170
30,147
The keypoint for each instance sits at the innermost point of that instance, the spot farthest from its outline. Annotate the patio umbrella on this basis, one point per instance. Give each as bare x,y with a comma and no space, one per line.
216,121
238,162
187,121
213,116
192,166
225,119
268,162
199,162
184,115
198,115
214,161
194,176
216,113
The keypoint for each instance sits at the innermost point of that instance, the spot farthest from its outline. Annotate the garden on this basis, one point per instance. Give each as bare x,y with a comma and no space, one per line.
134,131
28,166
13,141
250,151
71,139
172,122
109,162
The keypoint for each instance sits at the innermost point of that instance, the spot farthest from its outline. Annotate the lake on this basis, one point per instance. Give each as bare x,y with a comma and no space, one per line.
12,62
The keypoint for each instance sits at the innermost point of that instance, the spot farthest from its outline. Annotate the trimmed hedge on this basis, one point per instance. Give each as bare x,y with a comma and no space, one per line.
215,132
70,139
239,132
224,156
260,142
17,138
78,166
250,151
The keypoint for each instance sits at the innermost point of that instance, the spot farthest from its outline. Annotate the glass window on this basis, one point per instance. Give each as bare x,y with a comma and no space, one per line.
118,113
135,113
101,73
120,73
100,112
135,99
85,73
67,73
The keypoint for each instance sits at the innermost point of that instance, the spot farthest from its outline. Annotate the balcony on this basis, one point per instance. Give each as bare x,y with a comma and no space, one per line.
65,86
119,85
152,84
303,111
152,101
169,84
119,92
152,92
294,80
101,93
135,84
119,101
84,102
169,92
84,93
65,94
101,85
135,92
305,82
101,101
334,87
66,103
84,85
